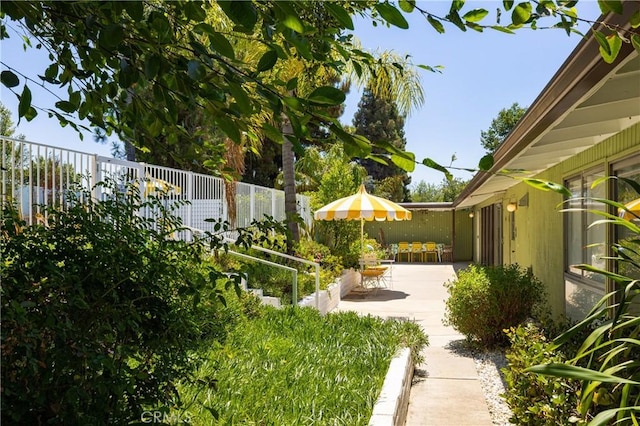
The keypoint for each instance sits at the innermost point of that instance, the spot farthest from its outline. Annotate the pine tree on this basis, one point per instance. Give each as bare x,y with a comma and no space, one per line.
379,120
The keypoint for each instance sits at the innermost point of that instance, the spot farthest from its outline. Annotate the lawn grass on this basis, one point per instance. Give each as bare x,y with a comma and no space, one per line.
293,366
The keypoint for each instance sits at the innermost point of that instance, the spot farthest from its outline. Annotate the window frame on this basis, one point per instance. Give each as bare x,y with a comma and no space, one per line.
584,178
615,168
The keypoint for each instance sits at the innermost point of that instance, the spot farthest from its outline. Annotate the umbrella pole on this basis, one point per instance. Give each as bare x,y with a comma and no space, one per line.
361,248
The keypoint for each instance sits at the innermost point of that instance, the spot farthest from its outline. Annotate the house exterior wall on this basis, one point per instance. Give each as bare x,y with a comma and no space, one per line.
463,241
536,240
426,226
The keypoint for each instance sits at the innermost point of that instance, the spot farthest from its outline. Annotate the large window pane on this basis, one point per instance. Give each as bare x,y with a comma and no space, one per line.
596,243
574,226
625,194
585,244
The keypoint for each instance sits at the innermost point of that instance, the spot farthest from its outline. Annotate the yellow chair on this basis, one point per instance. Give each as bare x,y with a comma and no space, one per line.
374,272
416,248
403,248
431,250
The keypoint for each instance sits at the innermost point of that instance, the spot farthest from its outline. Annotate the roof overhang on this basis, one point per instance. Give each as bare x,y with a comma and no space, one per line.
585,102
431,206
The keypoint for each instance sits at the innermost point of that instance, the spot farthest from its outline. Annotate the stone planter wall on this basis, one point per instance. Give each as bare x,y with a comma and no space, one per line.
327,299
391,407
349,280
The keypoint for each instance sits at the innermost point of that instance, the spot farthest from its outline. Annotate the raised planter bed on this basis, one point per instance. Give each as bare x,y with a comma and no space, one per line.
391,407
392,403
329,299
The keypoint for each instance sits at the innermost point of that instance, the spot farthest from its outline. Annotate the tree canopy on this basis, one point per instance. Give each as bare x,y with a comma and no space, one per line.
446,191
378,120
500,127
130,67
7,127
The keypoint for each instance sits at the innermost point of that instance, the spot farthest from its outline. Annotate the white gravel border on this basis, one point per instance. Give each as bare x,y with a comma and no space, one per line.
488,365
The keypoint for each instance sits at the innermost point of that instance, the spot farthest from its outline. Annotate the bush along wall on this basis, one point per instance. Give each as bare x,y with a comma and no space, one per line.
603,350
532,398
485,301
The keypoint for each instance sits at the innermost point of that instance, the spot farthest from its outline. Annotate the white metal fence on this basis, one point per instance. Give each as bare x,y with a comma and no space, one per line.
36,175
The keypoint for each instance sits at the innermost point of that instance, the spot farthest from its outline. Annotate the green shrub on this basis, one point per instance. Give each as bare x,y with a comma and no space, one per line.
273,281
484,301
535,399
606,359
317,252
100,310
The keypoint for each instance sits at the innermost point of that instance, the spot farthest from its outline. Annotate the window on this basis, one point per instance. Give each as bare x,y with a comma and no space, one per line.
585,244
625,194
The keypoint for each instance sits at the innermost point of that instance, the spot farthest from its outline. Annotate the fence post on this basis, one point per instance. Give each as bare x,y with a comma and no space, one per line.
94,176
225,212
189,196
252,203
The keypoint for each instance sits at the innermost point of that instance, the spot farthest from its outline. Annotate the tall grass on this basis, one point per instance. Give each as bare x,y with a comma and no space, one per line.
293,366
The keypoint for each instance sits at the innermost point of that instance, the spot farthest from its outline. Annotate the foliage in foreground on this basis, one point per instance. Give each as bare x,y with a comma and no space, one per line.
294,366
534,399
607,363
178,50
484,301
99,312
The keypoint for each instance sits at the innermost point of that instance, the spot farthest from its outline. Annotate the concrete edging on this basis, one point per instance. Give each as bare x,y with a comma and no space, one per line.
391,407
392,404
330,298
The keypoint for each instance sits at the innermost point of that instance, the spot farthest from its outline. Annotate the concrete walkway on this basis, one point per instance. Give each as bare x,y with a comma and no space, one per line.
446,389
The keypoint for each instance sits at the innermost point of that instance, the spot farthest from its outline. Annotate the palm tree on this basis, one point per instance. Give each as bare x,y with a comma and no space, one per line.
390,77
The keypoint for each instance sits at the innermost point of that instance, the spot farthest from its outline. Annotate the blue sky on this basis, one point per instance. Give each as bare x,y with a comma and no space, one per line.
482,74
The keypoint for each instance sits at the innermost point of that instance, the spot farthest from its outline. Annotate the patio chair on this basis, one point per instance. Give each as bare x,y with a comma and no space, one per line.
374,272
416,248
403,248
431,249
447,253
373,278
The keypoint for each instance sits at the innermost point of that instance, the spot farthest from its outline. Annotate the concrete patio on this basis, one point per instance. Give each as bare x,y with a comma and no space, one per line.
446,389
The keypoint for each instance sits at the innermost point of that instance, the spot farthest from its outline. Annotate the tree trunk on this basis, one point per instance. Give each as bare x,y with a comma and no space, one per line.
130,151
288,173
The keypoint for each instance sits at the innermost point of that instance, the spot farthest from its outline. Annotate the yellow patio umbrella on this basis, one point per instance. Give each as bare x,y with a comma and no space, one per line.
362,206
155,186
631,210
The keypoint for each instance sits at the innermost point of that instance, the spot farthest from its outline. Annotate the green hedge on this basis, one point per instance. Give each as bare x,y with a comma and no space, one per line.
534,399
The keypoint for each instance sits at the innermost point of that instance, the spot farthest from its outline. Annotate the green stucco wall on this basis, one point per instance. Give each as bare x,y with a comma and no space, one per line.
437,226
539,234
